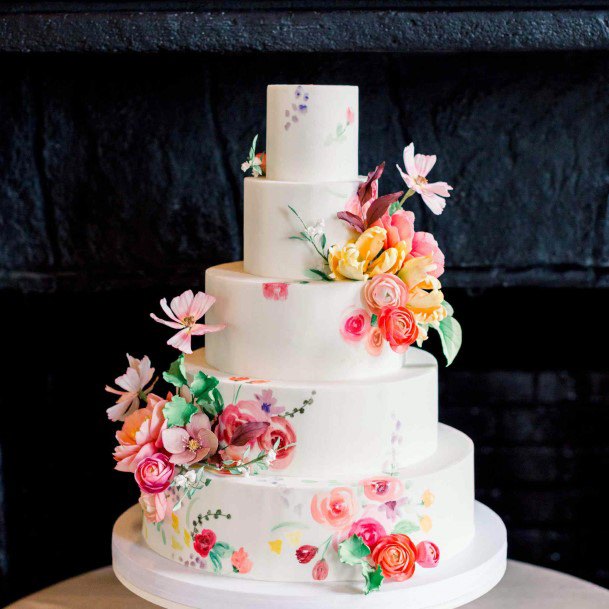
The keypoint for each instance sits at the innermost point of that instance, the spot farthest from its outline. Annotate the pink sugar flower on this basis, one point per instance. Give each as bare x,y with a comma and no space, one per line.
156,506
428,554
424,244
132,388
417,168
154,474
184,312
190,444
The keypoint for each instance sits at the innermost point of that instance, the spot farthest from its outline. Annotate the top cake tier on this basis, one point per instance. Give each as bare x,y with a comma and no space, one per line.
312,133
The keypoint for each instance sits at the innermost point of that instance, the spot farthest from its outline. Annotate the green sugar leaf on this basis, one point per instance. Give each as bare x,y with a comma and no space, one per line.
449,310
373,579
202,385
317,274
395,207
178,412
176,375
451,337
353,550
374,319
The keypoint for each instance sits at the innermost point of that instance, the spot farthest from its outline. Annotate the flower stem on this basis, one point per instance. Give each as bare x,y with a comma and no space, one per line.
408,194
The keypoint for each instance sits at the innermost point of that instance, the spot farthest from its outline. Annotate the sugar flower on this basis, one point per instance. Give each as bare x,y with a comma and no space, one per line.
415,176
352,260
190,444
132,388
424,244
184,312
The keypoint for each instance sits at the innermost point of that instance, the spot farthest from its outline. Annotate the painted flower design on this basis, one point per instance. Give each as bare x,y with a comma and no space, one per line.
355,325
241,561
320,570
392,508
132,388
382,488
184,311
369,529
336,508
275,291
305,554
204,542
374,341
192,443
417,167
268,402
281,433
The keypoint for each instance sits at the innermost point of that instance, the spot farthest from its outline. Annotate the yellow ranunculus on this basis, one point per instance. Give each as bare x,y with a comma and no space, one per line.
391,260
427,305
352,260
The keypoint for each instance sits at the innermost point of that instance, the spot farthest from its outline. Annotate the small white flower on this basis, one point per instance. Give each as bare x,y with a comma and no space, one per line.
191,476
317,229
179,481
271,456
245,166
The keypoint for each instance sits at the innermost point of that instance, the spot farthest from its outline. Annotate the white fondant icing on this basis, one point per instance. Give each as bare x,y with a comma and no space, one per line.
271,517
269,224
310,134
293,337
350,428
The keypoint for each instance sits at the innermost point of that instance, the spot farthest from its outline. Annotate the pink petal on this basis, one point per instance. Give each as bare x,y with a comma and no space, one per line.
200,329
183,458
168,311
123,408
181,341
434,202
424,163
409,160
181,304
171,324
439,188
200,305
175,439
130,381
198,422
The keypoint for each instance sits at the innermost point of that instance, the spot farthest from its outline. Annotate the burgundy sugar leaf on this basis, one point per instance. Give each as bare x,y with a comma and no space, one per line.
247,432
355,221
364,191
379,206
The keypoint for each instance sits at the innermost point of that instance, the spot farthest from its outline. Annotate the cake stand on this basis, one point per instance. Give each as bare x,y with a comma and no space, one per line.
452,583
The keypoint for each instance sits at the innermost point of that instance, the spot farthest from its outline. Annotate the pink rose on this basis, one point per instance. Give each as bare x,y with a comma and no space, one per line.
275,291
336,508
355,325
399,328
369,529
424,244
156,507
236,415
241,562
382,488
320,570
374,341
385,290
204,542
399,227
428,554
154,474
280,429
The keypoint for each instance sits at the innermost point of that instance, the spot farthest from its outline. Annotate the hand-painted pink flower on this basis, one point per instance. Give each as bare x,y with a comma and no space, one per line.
382,488
154,474
156,507
268,402
399,328
355,325
384,290
350,116
369,530
428,554
374,341
184,312
424,244
133,385
399,227
140,436
336,509
236,415
282,434
392,509
417,168
275,291
241,562
190,444
320,570
204,542
305,554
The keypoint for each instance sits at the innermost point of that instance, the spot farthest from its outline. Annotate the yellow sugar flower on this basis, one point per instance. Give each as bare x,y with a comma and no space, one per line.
416,271
352,260
427,305
391,260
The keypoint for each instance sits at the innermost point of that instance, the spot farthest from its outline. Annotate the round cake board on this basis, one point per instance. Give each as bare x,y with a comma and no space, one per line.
451,584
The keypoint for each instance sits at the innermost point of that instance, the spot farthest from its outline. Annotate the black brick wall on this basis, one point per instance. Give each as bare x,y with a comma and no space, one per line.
120,183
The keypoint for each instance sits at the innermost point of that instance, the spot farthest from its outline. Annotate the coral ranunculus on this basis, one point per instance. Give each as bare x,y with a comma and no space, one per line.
241,561
383,488
154,474
204,542
336,508
280,433
385,290
356,325
399,327
396,556
428,554
424,244
369,529
399,227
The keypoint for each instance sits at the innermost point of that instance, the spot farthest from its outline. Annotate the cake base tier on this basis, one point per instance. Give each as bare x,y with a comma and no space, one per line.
167,584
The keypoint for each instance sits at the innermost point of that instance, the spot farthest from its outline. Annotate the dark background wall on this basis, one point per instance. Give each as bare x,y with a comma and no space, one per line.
120,184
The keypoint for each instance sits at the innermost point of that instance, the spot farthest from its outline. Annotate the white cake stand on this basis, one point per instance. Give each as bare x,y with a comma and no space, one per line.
453,583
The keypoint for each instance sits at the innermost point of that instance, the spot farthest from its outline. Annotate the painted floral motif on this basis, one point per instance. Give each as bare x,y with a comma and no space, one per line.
275,291
256,162
241,561
298,107
336,509
340,134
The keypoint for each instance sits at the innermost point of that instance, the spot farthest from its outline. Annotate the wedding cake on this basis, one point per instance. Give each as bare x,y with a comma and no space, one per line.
302,443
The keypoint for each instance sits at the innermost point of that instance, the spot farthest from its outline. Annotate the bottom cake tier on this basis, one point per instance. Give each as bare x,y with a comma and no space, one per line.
289,529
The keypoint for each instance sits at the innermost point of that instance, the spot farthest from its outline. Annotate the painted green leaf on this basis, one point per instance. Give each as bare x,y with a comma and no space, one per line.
317,274
373,579
215,561
353,550
176,375
178,412
323,241
451,337
405,527
221,548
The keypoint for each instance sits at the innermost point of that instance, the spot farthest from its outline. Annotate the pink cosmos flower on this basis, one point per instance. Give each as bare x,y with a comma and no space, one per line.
184,312
424,244
192,443
355,325
275,291
154,474
133,384
399,227
156,507
382,488
428,554
417,168
336,508
140,436
268,401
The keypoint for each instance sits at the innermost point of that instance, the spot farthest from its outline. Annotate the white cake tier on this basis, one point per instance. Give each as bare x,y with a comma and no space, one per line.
384,425
270,517
269,224
311,133
288,331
